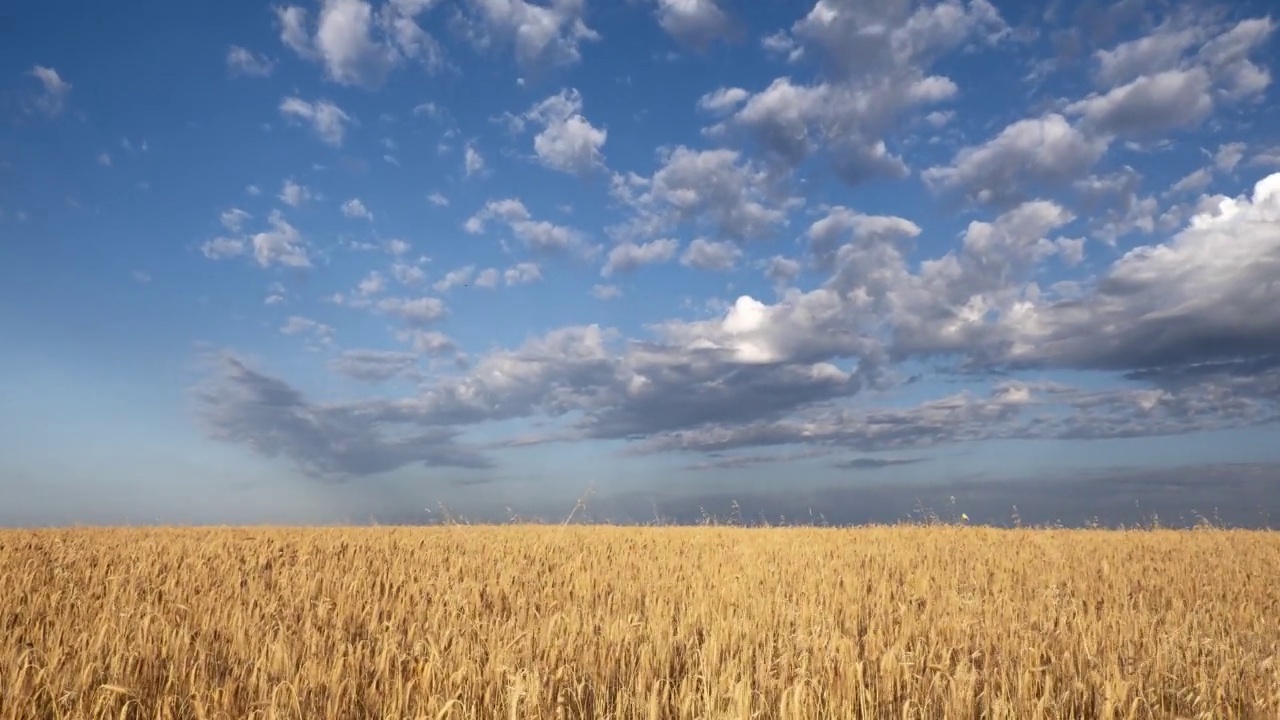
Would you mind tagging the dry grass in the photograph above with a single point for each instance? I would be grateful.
(567, 622)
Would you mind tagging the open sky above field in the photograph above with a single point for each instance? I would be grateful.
(339, 259)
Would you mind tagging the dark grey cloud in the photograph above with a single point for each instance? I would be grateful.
(1013, 410)
(374, 366)
(1207, 294)
(872, 463)
(239, 404)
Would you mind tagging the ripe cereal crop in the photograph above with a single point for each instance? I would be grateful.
(656, 622)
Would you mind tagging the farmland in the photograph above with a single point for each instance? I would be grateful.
(612, 622)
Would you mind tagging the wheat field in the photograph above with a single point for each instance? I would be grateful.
(612, 622)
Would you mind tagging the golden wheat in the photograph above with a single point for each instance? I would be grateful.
(602, 622)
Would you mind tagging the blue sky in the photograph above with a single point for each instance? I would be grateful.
(339, 259)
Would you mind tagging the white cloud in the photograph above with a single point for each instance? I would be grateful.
(1044, 150)
(354, 209)
(54, 98)
(939, 118)
(1158, 52)
(723, 99)
(327, 120)
(1205, 295)
(372, 284)
(438, 200)
(431, 343)
(1194, 181)
(693, 22)
(1149, 105)
(472, 161)
(705, 254)
(606, 292)
(293, 194)
(629, 256)
(454, 278)
(358, 46)
(1267, 158)
(104, 159)
(782, 271)
(567, 142)
(242, 62)
(488, 278)
(539, 235)
(281, 245)
(233, 218)
(222, 248)
(317, 332)
(1229, 156)
(415, 312)
(542, 35)
(407, 274)
(868, 85)
(713, 190)
(522, 274)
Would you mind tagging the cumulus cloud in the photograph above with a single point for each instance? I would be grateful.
(318, 332)
(541, 35)
(606, 292)
(454, 278)
(522, 274)
(705, 254)
(782, 270)
(415, 312)
(355, 209)
(1229, 156)
(357, 45)
(1149, 105)
(1182, 318)
(1202, 296)
(866, 85)
(723, 99)
(233, 218)
(280, 244)
(629, 256)
(293, 194)
(327, 121)
(717, 191)
(1193, 181)
(696, 23)
(538, 235)
(1046, 151)
(243, 62)
(53, 99)
(567, 141)
(472, 161)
